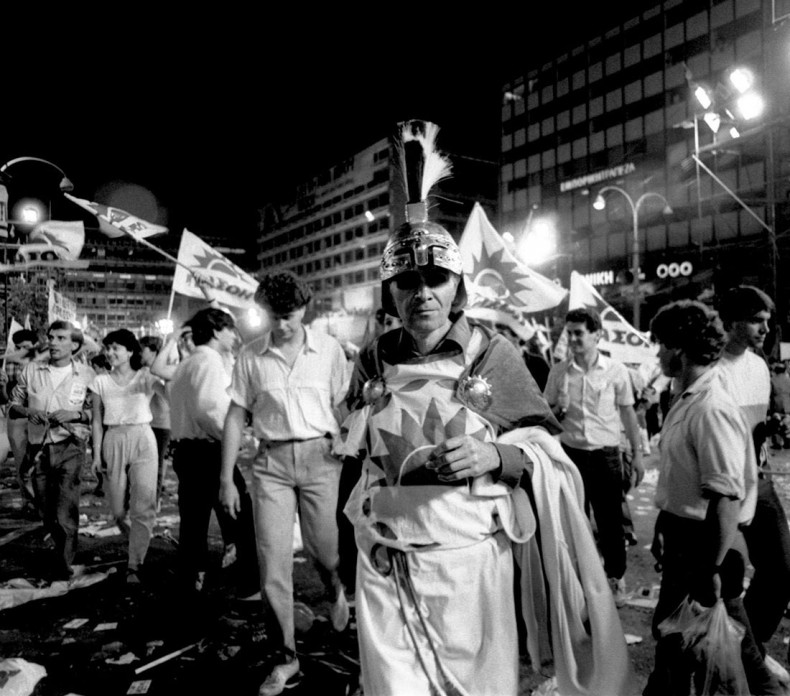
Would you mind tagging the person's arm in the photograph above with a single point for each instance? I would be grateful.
(97, 431)
(164, 365)
(231, 442)
(3, 387)
(19, 401)
(721, 525)
(628, 417)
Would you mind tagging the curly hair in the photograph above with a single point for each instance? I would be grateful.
(741, 303)
(125, 338)
(283, 292)
(693, 328)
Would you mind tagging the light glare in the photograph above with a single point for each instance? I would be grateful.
(742, 79)
(702, 97)
(751, 105)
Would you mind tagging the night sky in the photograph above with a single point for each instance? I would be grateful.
(215, 114)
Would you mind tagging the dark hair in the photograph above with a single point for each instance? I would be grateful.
(125, 338)
(283, 292)
(24, 335)
(205, 322)
(63, 325)
(741, 303)
(153, 343)
(101, 361)
(584, 315)
(693, 328)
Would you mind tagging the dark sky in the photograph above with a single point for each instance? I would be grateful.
(215, 114)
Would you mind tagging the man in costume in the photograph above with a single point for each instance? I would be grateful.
(438, 502)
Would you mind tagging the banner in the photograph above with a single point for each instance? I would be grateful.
(223, 279)
(115, 222)
(61, 307)
(66, 238)
(618, 338)
(495, 278)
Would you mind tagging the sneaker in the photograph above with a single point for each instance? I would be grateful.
(618, 591)
(339, 612)
(133, 576)
(282, 677)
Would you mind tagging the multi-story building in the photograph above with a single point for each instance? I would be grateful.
(620, 110)
(334, 228)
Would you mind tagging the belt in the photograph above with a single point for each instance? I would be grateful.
(274, 443)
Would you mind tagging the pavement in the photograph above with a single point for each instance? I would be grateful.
(110, 638)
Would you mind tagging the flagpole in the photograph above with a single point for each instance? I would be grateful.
(172, 297)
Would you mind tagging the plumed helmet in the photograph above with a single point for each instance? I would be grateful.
(419, 243)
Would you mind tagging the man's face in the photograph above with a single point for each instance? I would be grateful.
(580, 339)
(670, 361)
(424, 298)
(751, 332)
(61, 347)
(147, 355)
(227, 339)
(286, 325)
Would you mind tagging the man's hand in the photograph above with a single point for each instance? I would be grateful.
(638, 469)
(229, 498)
(37, 417)
(463, 457)
(62, 416)
(96, 466)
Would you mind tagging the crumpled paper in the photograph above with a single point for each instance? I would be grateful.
(19, 677)
(20, 590)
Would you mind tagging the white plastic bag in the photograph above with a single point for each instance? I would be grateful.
(19, 677)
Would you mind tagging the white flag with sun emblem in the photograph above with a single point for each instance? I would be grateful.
(495, 278)
(223, 279)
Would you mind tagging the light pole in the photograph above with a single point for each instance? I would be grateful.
(600, 204)
(65, 185)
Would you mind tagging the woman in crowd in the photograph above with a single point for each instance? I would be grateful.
(122, 405)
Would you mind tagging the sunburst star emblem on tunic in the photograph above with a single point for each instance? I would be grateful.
(373, 390)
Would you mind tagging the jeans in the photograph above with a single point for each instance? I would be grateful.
(198, 464)
(684, 573)
(602, 474)
(56, 482)
(768, 543)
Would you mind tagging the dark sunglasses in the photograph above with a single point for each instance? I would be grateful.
(432, 278)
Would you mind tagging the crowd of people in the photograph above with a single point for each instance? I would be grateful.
(471, 507)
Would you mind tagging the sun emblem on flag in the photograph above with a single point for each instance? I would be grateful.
(215, 262)
(497, 276)
(409, 450)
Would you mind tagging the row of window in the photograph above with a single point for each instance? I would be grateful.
(338, 281)
(322, 223)
(371, 251)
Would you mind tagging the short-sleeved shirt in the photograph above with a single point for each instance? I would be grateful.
(291, 403)
(128, 404)
(592, 399)
(749, 382)
(36, 389)
(706, 447)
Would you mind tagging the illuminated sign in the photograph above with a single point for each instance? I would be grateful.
(600, 278)
(674, 270)
(597, 177)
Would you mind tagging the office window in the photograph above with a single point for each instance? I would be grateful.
(614, 63)
(549, 159)
(580, 113)
(614, 136)
(654, 84)
(533, 163)
(564, 153)
(579, 148)
(508, 203)
(721, 14)
(596, 142)
(614, 100)
(521, 199)
(744, 7)
(520, 138)
(578, 81)
(562, 87)
(632, 55)
(547, 94)
(633, 129)
(596, 72)
(673, 36)
(652, 46)
(697, 25)
(723, 57)
(747, 45)
(699, 65)
(533, 132)
(563, 120)
(654, 122)
(521, 168)
(507, 143)
(675, 76)
(633, 92)
(533, 101)
(596, 107)
(507, 172)
(547, 126)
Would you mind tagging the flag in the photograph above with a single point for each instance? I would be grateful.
(27, 321)
(13, 327)
(618, 338)
(67, 237)
(224, 280)
(115, 222)
(495, 278)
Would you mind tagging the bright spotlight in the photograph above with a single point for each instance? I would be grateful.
(713, 120)
(254, 318)
(734, 132)
(742, 79)
(599, 203)
(164, 326)
(370, 217)
(751, 105)
(539, 244)
(702, 97)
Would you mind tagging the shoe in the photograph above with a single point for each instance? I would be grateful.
(282, 677)
(133, 576)
(618, 591)
(339, 612)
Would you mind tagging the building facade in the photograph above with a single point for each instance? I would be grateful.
(332, 232)
(620, 110)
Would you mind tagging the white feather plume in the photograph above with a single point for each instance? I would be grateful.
(436, 166)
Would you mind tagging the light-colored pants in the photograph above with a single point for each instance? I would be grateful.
(132, 461)
(17, 439)
(280, 471)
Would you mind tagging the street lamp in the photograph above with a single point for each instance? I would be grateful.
(600, 203)
(65, 183)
